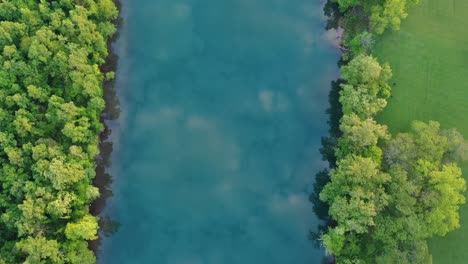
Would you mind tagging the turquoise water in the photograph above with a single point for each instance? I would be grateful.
(215, 151)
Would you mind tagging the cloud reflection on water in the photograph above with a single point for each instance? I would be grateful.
(218, 147)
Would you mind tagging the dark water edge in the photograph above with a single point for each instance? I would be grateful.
(329, 142)
(322, 177)
(111, 113)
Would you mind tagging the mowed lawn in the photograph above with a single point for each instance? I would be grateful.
(429, 58)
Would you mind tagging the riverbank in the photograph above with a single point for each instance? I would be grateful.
(51, 99)
(111, 112)
(363, 213)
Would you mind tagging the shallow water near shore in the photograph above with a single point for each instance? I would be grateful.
(217, 144)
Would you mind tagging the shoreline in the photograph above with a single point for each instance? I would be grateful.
(111, 112)
(329, 142)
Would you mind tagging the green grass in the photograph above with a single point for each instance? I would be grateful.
(429, 58)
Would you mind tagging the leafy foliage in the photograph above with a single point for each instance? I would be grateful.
(382, 14)
(50, 105)
(387, 196)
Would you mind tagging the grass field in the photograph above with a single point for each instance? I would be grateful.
(429, 58)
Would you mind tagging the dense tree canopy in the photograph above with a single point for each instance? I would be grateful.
(378, 15)
(366, 88)
(387, 195)
(50, 103)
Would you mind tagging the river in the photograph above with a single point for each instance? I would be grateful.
(216, 147)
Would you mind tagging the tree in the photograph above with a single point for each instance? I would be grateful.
(384, 213)
(357, 100)
(85, 228)
(426, 142)
(443, 197)
(356, 193)
(51, 100)
(382, 14)
(366, 70)
(362, 43)
(77, 252)
(359, 136)
(346, 4)
(366, 88)
(457, 146)
(39, 250)
(389, 14)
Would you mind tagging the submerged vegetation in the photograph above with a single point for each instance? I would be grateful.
(387, 195)
(51, 99)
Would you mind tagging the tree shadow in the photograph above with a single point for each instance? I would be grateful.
(332, 11)
(322, 177)
(103, 180)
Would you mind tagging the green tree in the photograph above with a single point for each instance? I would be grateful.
(356, 193)
(51, 99)
(366, 70)
(442, 197)
(360, 136)
(362, 43)
(346, 4)
(40, 250)
(85, 228)
(389, 14)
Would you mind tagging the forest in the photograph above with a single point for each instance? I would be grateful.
(51, 99)
(387, 194)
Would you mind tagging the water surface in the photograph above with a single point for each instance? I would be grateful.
(215, 151)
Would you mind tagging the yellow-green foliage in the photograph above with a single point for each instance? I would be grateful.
(382, 14)
(388, 196)
(51, 98)
(428, 58)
